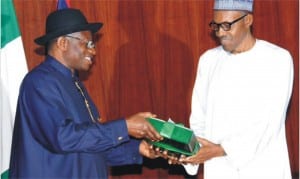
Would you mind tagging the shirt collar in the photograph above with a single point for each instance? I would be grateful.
(60, 67)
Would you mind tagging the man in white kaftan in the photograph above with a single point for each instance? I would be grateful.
(239, 103)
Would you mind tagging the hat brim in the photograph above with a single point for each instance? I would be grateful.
(43, 40)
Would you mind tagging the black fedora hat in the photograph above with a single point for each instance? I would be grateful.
(66, 21)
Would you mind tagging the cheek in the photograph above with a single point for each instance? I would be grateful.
(76, 53)
(238, 38)
(239, 33)
(232, 38)
(74, 57)
(77, 50)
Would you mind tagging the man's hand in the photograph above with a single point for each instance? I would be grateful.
(139, 127)
(147, 150)
(172, 158)
(207, 151)
(150, 151)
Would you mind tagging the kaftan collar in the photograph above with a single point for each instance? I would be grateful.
(60, 67)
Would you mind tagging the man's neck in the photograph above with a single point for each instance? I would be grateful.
(247, 44)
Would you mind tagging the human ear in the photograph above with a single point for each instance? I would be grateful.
(249, 20)
(62, 43)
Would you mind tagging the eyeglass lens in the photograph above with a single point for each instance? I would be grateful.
(226, 26)
(89, 44)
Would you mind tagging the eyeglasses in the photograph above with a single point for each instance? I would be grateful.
(226, 26)
(89, 44)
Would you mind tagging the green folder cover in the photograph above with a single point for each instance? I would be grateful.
(177, 138)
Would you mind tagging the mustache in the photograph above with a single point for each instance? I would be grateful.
(225, 37)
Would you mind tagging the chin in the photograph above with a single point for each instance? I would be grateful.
(87, 69)
(227, 49)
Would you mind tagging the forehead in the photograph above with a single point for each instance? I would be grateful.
(223, 16)
(87, 34)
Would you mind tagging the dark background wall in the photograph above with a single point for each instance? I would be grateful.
(147, 55)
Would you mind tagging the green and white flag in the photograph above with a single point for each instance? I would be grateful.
(13, 68)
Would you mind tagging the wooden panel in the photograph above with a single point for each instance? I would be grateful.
(147, 54)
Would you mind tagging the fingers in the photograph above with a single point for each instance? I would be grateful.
(145, 130)
(146, 114)
(139, 127)
(151, 133)
(146, 151)
(203, 141)
(195, 159)
(171, 157)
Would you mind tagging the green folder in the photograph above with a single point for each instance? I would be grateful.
(177, 140)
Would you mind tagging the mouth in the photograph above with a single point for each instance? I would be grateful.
(222, 39)
(88, 59)
(225, 42)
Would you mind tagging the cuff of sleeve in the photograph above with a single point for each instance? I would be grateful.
(134, 146)
(119, 131)
(125, 154)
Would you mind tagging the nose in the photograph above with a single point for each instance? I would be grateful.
(92, 51)
(220, 32)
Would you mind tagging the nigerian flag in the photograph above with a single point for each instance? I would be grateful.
(13, 68)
